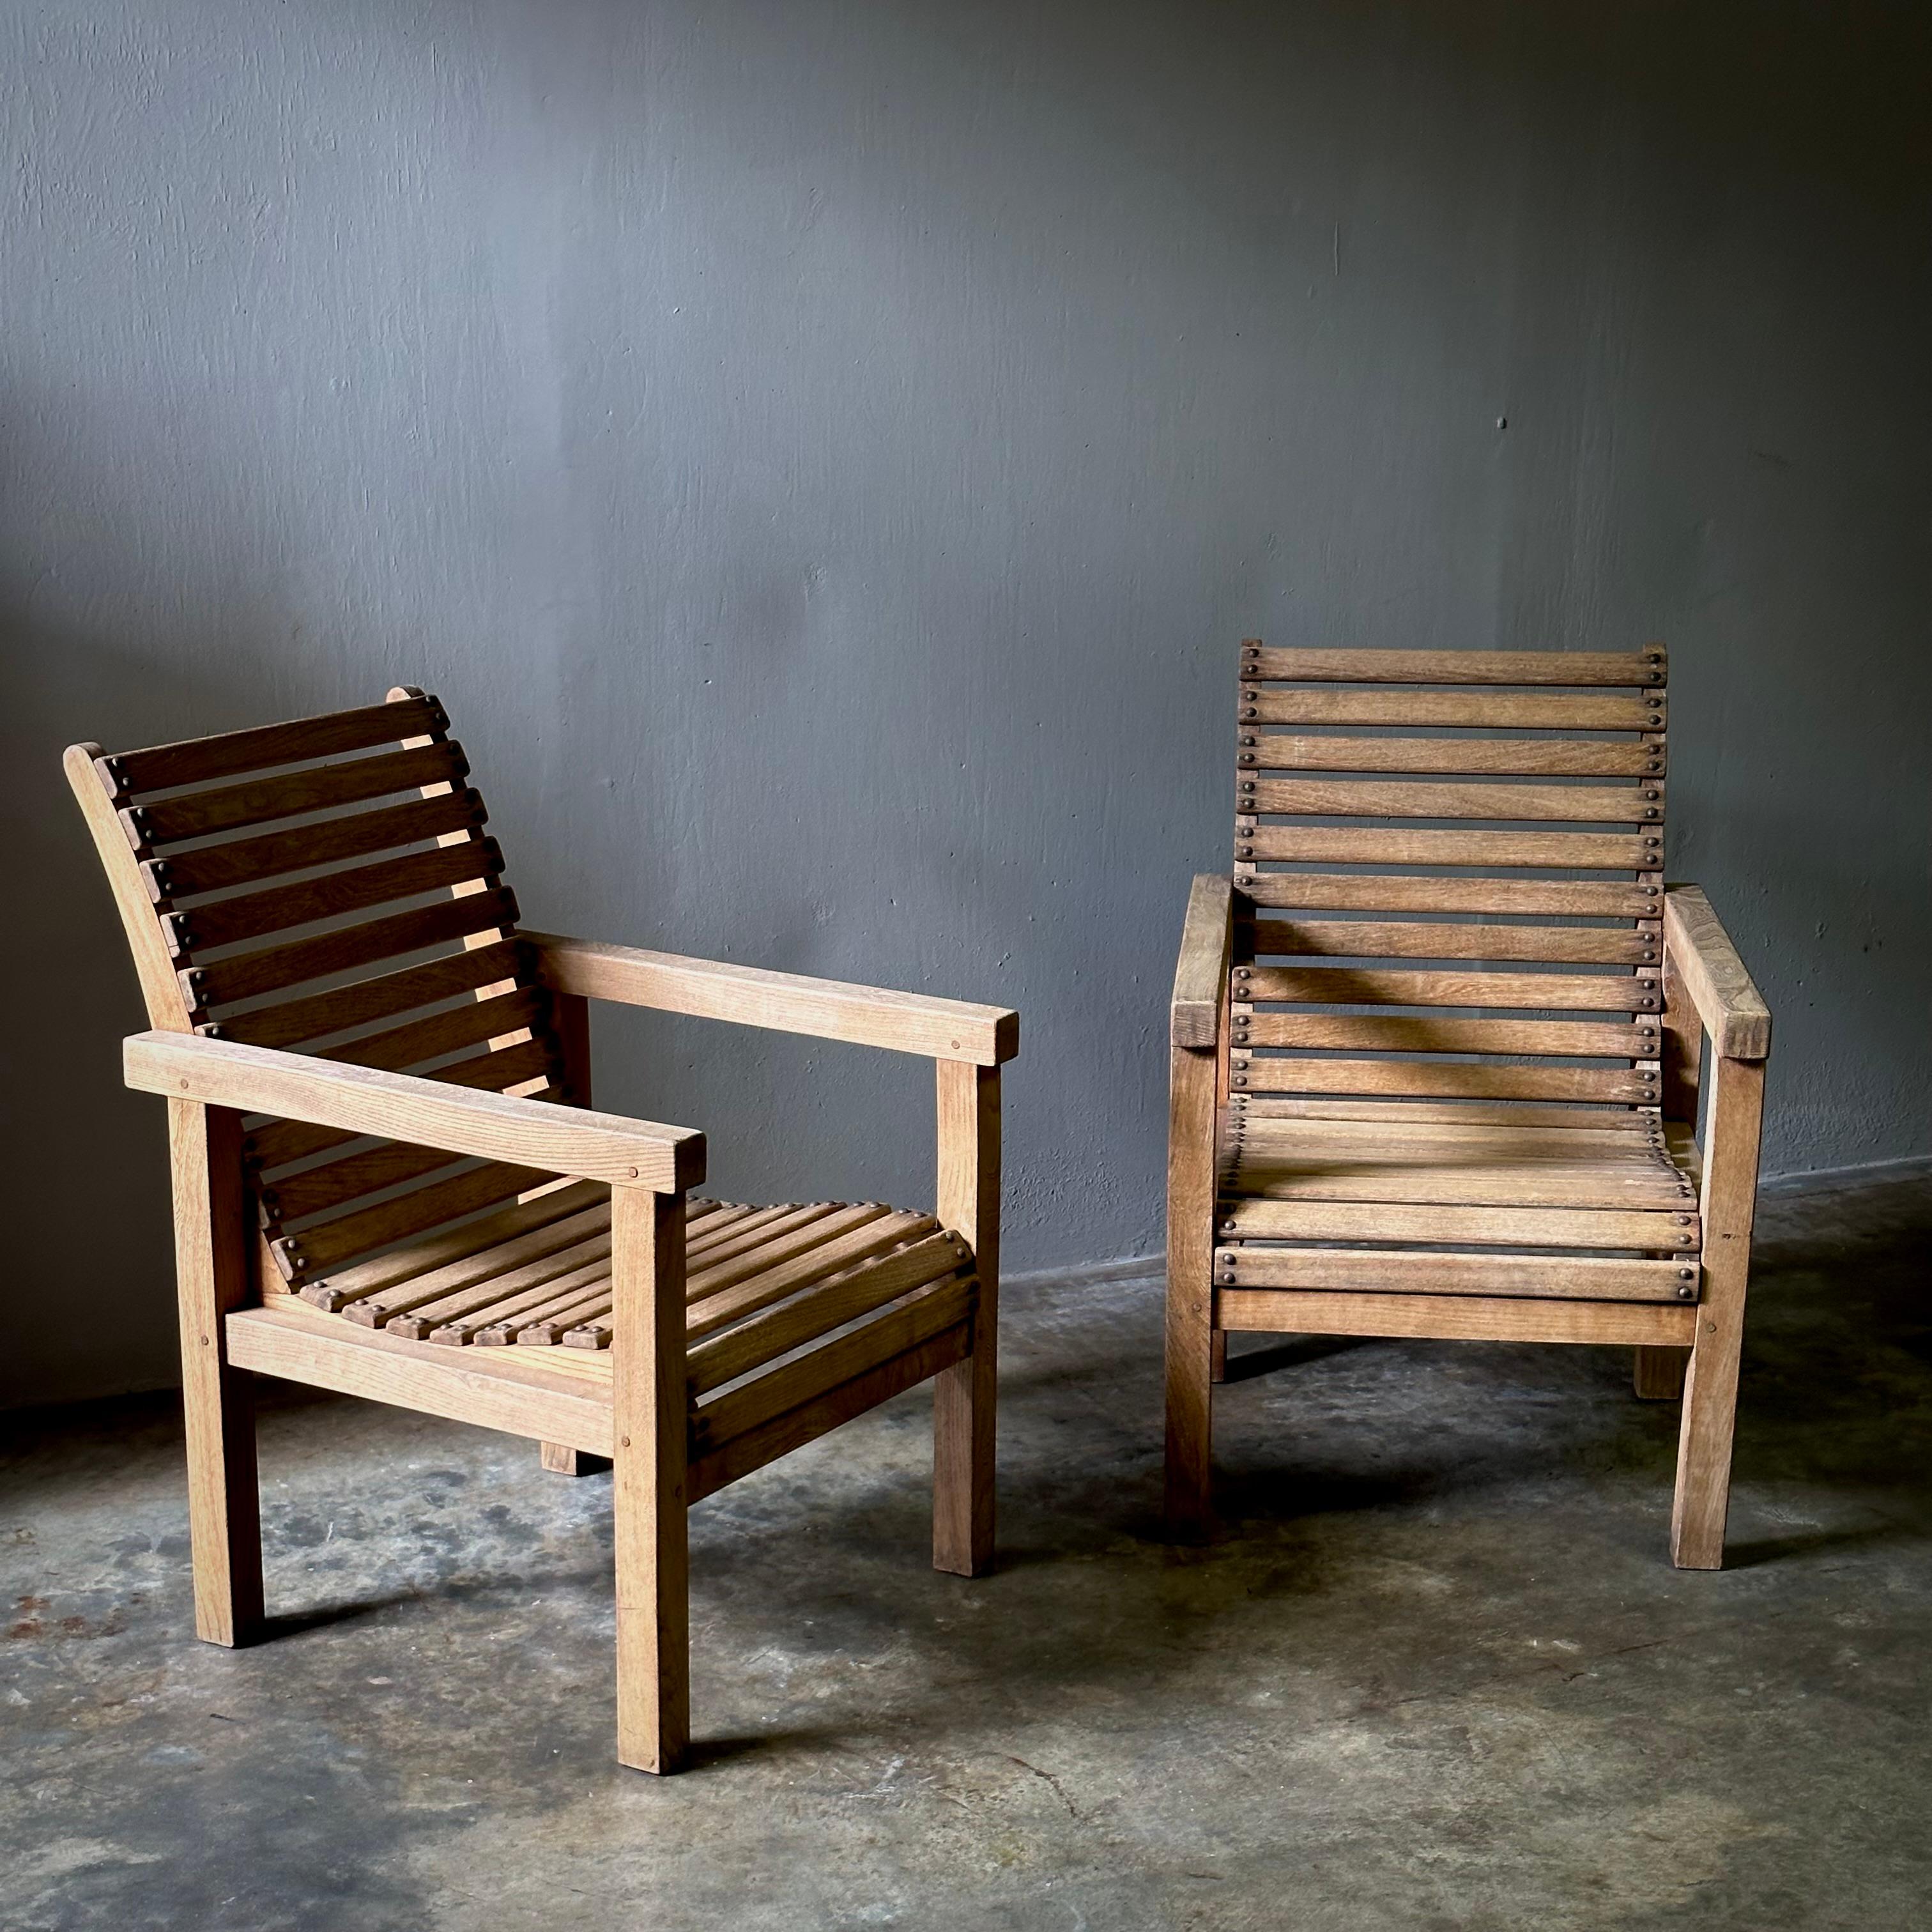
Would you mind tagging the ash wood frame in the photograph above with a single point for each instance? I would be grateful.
(1708, 999)
(637, 1418)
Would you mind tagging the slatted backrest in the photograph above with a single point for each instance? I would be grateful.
(1457, 857)
(326, 886)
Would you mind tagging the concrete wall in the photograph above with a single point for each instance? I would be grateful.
(824, 456)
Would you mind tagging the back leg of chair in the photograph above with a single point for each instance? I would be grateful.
(211, 1274)
(1658, 1375)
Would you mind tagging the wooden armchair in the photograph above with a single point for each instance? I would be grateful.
(364, 1057)
(1463, 1100)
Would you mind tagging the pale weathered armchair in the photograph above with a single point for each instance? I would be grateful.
(377, 1191)
(1465, 1103)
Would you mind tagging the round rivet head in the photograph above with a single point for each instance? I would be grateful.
(1248, 714)
(1687, 1274)
(1240, 1080)
(1687, 1294)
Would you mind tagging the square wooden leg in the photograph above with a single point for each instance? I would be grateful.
(1711, 1385)
(560, 1460)
(212, 1277)
(1191, 1353)
(965, 1397)
(1657, 1374)
(649, 1428)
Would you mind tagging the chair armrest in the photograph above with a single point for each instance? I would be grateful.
(1732, 1011)
(1201, 970)
(405, 1107)
(718, 989)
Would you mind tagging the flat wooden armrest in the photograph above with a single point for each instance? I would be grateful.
(1732, 1011)
(1201, 971)
(718, 989)
(404, 1107)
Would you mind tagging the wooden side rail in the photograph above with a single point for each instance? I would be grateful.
(637, 1154)
(719, 989)
(1705, 964)
(1201, 973)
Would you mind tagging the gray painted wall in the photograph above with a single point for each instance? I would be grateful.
(824, 456)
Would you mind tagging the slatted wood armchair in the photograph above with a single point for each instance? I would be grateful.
(1437, 1047)
(389, 1180)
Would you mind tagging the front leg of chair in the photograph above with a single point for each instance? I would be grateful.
(1192, 1357)
(965, 1396)
(1711, 1385)
(649, 1435)
(211, 1275)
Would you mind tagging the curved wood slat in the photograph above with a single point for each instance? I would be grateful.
(196, 814)
(355, 834)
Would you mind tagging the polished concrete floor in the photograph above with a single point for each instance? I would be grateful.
(1435, 1672)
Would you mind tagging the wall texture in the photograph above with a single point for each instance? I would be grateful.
(824, 456)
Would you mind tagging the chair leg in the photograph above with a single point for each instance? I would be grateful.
(1730, 1199)
(1217, 1357)
(965, 1397)
(1191, 1336)
(1658, 1375)
(211, 1275)
(648, 1429)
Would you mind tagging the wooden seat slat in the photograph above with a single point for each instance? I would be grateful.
(1460, 1225)
(1554, 1275)
(763, 1338)
(1259, 1174)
